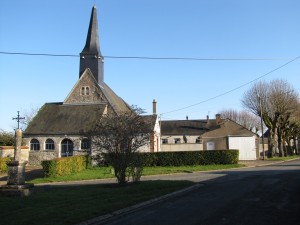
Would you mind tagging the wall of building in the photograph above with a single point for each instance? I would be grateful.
(37, 156)
(181, 147)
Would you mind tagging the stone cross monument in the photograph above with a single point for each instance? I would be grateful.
(16, 170)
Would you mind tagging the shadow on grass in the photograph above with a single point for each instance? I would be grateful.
(86, 202)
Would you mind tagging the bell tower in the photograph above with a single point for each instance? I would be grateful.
(91, 57)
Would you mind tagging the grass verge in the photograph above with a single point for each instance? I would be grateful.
(71, 205)
(284, 158)
(105, 172)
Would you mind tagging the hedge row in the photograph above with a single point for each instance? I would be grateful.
(191, 158)
(65, 166)
(3, 166)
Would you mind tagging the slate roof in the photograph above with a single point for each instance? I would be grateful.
(184, 127)
(116, 102)
(59, 118)
(206, 128)
(229, 128)
(151, 120)
(92, 39)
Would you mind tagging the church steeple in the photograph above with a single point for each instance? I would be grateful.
(91, 57)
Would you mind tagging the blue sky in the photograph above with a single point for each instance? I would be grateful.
(216, 29)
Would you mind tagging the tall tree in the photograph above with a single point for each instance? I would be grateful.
(118, 137)
(6, 138)
(244, 118)
(273, 101)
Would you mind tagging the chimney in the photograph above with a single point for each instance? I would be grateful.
(154, 106)
(218, 118)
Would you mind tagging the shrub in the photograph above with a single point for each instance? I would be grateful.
(65, 166)
(191, 158)
(3, 166)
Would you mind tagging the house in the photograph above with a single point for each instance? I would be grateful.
(59, 129)
(209, 134)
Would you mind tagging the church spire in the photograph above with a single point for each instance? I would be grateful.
(91, 57)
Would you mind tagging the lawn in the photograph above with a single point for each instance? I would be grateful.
(74, 204)
(71, 205)
(106, 172)
(284, 158)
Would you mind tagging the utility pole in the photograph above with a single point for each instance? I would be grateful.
(262, 127)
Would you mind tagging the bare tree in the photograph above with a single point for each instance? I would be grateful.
(274, 101)
(118, 137)
(244, 118)
(29, 115)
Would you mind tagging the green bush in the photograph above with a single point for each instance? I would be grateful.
(65, 166)
(191, 158)
(3, 166)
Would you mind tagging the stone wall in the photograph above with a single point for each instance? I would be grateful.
(36, 157)
(8, 151)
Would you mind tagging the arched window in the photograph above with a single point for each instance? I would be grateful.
(34, 145)
(85, 143)
(49, 144)
(87, 90)
(66, 148)
(82, 91)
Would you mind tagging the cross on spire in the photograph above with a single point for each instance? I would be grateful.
(18, 118)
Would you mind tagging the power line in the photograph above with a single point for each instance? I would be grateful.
(234, 89)
(141, 57)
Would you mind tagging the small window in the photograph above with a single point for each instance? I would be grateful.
(85, 143)
(177, 140)
(34, 145)
(83, 91)
(165, 141)
(87, 91)
(49, 144)
(199, 140)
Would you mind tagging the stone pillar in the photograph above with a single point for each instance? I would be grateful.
(16, 172)
(17, 152)
(16, 168)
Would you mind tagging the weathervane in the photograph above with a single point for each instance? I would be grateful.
(18, 118)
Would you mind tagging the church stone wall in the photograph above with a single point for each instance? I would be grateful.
(36, 157)
(85, 91)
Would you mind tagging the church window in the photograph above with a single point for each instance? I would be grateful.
(34, 145)
(66, 148)
(87, 90)
(49, 144)
(82, 90)
(85, 143)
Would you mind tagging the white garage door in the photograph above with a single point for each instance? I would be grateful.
(246, 145)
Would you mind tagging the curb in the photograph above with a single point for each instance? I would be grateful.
(130, 209)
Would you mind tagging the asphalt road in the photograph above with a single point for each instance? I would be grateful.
(262, 195)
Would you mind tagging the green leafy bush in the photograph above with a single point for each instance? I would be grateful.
(65, 166)
(191, 158)
(3, 166)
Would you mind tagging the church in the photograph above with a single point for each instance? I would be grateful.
(58, 129)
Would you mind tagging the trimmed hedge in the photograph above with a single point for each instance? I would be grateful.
(3, 166)
(191, 158)
(65, 166)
